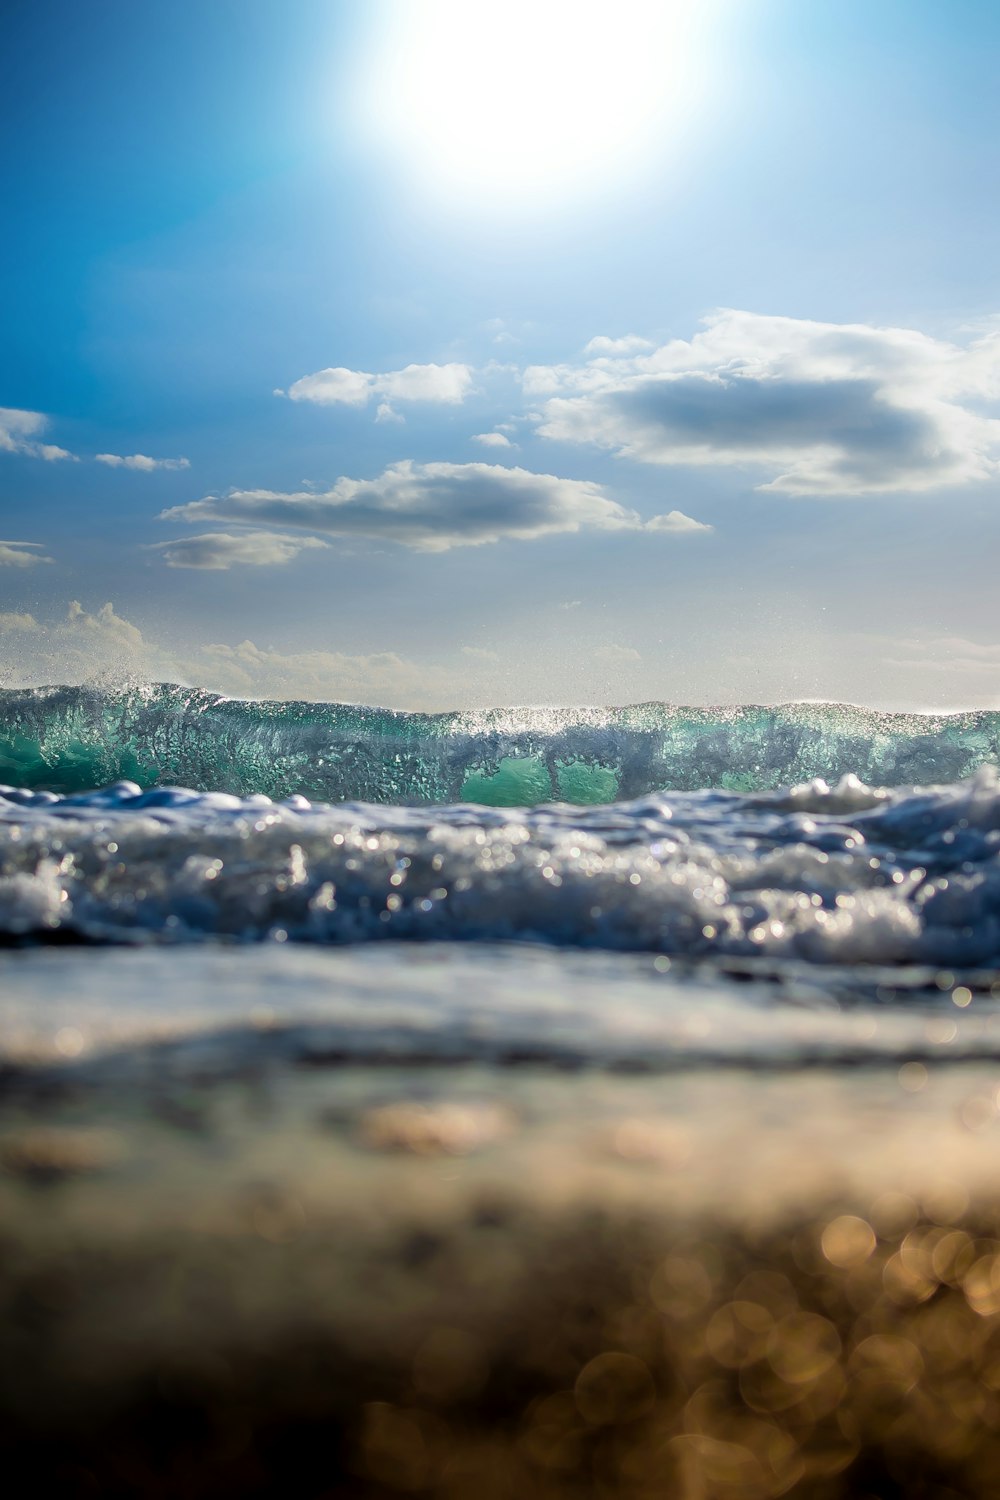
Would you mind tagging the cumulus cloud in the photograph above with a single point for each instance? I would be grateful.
(632, 343)
(677, 522)
(102, 646)
(140, 461)
(20, 432)
(448, 383)
(218, 550)
(21, 555)
(81, 647)
(337, 386)
(492, 439)
(379, 677)
(431, 507)
(104, 625)
(821, 408)
(619, 656)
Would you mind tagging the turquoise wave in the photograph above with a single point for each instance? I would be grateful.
(71, 739)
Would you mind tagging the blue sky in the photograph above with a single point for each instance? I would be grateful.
(440, 357)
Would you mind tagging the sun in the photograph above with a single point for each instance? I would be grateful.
(530, 99)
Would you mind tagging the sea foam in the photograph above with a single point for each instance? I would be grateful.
(841, 875)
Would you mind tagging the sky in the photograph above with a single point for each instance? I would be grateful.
(447, 354)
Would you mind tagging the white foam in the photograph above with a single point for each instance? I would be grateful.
(843, 876)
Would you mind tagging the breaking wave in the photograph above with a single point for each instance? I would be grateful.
(69, 740)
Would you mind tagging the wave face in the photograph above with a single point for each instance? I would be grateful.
(840, 876)
(73, 739)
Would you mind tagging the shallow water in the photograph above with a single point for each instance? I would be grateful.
(210, 1011)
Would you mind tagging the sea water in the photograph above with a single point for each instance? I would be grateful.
(673, 886)
(76, 739)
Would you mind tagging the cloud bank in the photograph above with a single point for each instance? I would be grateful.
(822, 408)
(434, 507)
(379, 677)
(103, 646)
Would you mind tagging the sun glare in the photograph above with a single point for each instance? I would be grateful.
(530, 99)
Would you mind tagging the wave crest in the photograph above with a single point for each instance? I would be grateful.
(69, 739)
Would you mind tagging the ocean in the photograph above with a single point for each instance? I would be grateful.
(787, 840)
(452, 1055)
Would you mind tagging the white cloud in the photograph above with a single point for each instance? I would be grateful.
(822, 408)
(492, 440)
(218, 550)
(448, 384)
(141, 462)
(948, 654)
(380, 677)
(480, 653)
(632, 343)
(430, 507)
(546, 380)
(81, 647)
(102, 646)
(499, 331)
(21, 555)
(388, 413)
(334, 387)
(620, 656)
(105, 625)
(20, 431)
(676, 521)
